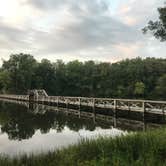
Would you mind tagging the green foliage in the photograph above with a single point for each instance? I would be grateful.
(4, 81)
(158, 28)
(20, 68)
(135, 78)
(44, 76)
(135, 149)
(139, 88)
(161, 87)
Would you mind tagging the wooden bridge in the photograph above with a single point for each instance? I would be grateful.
(114, 121)
(143, 106)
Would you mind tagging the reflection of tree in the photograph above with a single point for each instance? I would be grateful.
(20, 123)
(17, 130)
(79, 124)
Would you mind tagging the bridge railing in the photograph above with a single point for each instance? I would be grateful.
(123, 104)
(16, 97)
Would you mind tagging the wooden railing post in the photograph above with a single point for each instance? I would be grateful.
(143, 109)
(143, 106)
(115, 119)
(42, 100)
(94, 113)
(115, 104)
(57, 101)
(79, 103)
(163, 111)
(67, 103)
(93, 104)
(129, 105)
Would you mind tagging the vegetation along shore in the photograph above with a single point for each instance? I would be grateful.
(144, 148)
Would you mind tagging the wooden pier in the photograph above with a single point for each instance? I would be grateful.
(106, 120)
(142, 106)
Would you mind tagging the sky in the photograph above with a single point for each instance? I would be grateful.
(99, 30)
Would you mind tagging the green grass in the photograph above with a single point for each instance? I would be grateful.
(145, 149)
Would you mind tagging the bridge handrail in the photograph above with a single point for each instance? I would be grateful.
(87, 98)
(117, 99)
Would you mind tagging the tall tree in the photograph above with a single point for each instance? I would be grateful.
(21, 70)
(5, 81)
(74, 77)
(61, 79)
(125, 79)
(45, 76)
(161, 87)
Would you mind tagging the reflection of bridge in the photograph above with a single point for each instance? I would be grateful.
(143, 106)
(114, 120)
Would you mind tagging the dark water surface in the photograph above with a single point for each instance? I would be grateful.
(33, 128)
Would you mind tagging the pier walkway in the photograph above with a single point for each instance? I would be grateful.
(143, 106)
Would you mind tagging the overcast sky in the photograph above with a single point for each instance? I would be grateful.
(100, 30)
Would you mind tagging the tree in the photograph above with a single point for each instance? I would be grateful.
(20, 68)
(44, 77)
(124, 79)
(89, 79)
(161, 87)
(121, 91)
(139, 89)
(4, 81)
(74, 75)
(158, 28)
(60, 80)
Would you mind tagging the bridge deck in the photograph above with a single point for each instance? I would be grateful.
(156, 107)
(114, 120)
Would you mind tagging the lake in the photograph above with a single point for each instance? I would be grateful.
(33, 128)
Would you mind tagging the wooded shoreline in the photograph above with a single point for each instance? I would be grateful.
(131, 78)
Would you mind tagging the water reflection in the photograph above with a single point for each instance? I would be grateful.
(30, 128)
(21, 123)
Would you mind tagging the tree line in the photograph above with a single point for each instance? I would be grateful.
(135, 78)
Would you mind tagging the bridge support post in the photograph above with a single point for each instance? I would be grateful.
(115, 119)
(163, 112)
(129, 106)
(143, 110)
(93, 104)
(57, 102)
(79, 104)
(144, 113)
(115, 105)
(114, 116)
(67, 103)
(79, 107)
(94, 112)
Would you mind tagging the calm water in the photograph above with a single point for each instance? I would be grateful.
(36, 128)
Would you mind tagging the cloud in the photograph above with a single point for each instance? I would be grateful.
(135, 12)
(86, 5)
(86, 33)
(75, 29)
(88, 25)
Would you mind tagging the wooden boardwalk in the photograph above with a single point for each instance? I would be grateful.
(114, 121)
(143, 106)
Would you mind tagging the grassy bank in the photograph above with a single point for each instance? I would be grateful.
(136, 149)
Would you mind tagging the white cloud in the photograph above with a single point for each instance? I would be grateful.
(75, 29)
